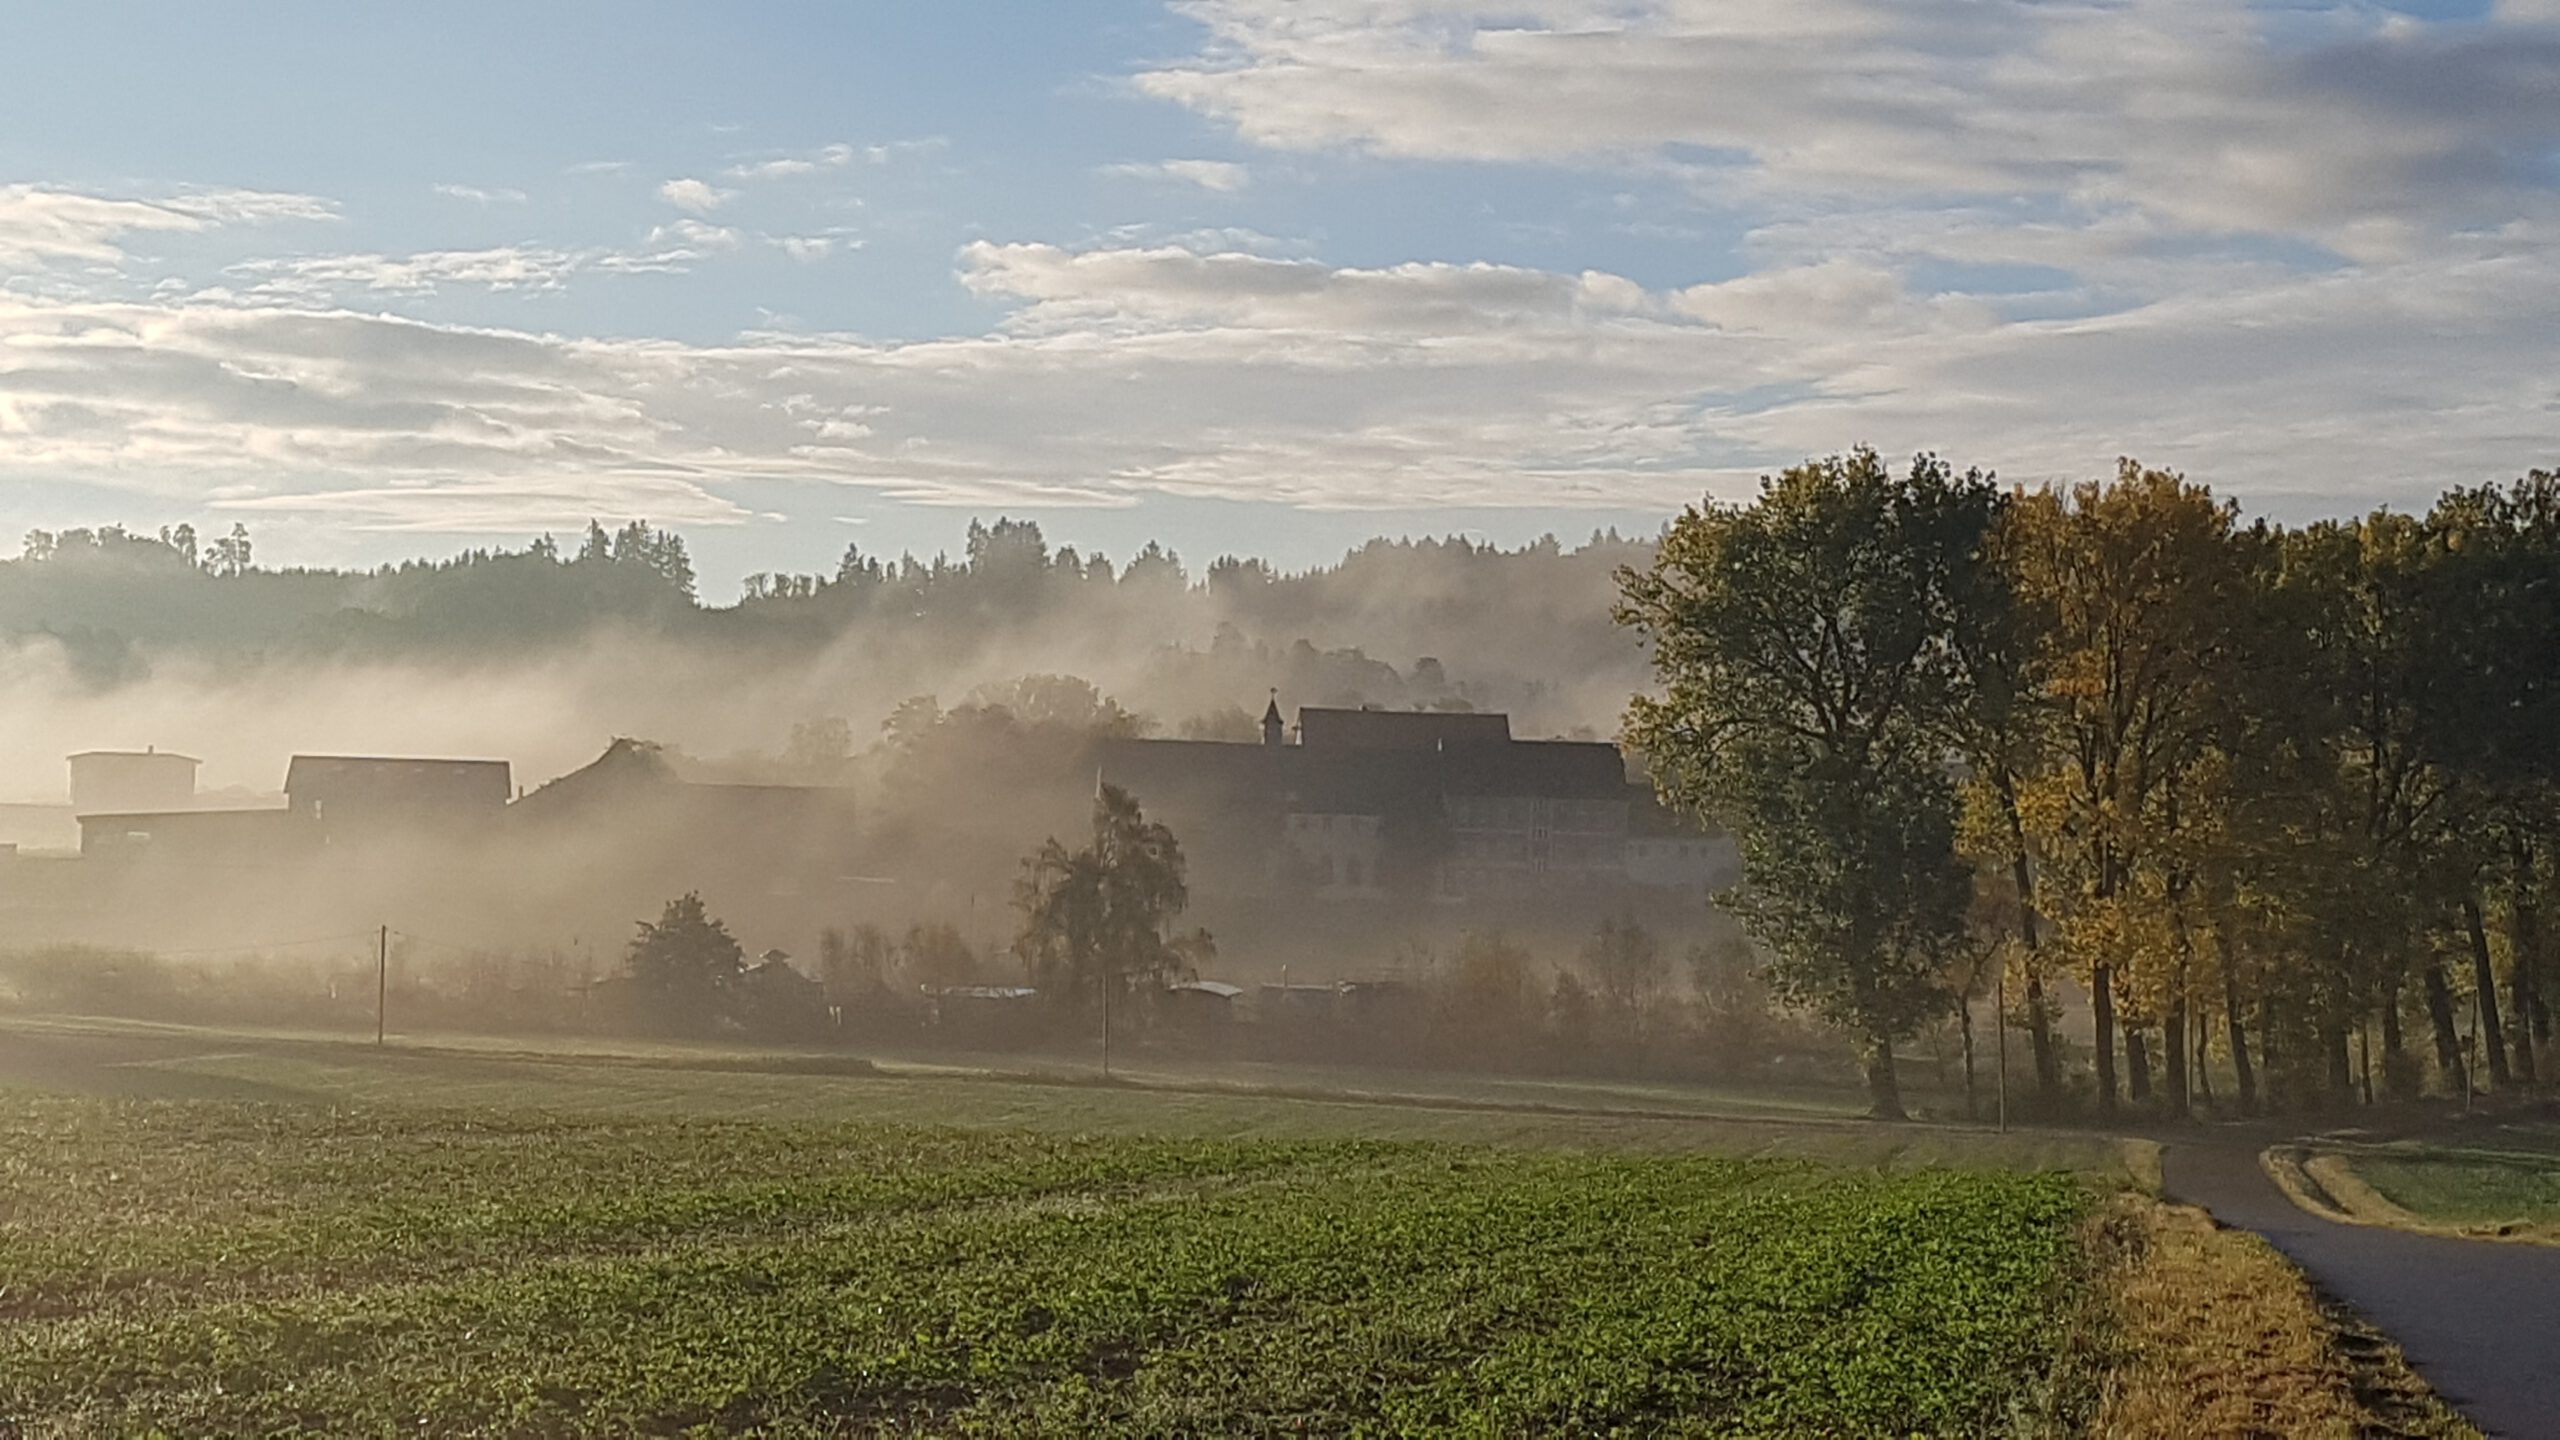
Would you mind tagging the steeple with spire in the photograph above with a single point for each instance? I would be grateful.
(1274, 730)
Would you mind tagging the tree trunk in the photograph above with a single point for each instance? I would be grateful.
(2039, 1025)
(2342, 1070)
(2231, 1015)
(1964, 1014)
(2137, 1063)
(2203, 1071)
(1884, 1087)
(2173, 1049)
(2102, 1006)
(2173, 1022)
(2280, 1090)
(2040, 1041)
(2484, 993)
(2399, 1077)
(2448, 1035)
(2524, 932)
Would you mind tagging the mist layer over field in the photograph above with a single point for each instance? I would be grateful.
(542, 655)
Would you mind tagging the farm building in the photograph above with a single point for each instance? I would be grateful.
(1374, 804)
(131, 781)
(363, 796)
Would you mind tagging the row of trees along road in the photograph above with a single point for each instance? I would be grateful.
(2276, 793)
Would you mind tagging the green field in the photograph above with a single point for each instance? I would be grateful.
(1231, 1102)
(210, 1267)
(209, 1231)
(2507, 1183)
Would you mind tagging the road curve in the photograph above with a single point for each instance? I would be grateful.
(2478, 1319)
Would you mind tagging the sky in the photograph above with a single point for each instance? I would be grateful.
(1250, 276)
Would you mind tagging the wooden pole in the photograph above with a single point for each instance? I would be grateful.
(381, 981)
(1106, 1019)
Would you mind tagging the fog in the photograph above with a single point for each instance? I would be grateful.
(542, 660)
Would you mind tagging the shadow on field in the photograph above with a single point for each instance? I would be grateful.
(126, 1067)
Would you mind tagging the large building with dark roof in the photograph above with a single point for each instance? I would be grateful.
(1419, 804)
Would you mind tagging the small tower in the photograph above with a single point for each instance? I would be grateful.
(1274, 730)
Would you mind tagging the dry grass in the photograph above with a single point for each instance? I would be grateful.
(2208, 1332)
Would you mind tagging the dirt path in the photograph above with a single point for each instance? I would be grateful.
(2479, 1319)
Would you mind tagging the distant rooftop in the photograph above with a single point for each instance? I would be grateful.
(1335, 729)
(489, 781)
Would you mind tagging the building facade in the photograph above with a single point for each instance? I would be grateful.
(1426, 805)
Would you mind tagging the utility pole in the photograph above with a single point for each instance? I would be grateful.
(1106, 1018)
(381, 981)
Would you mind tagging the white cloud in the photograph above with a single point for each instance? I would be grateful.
(807, 249)
(500, 507)
(673, 248)
(698, 196)
(1174, 287)
(2346, 124)
(779, 167)
(41, 226)
(692, 239)
(1126, 373)
(477, 196)
(1223, 176)
(841, 155)
(514, 267)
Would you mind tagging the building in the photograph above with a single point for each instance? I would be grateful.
(634, 805)
(131, 781)
(1667, 853)
(355, 797)
(1377, 804)
(224, 839)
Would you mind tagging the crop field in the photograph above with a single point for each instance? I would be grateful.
(159, 1061)
(198, 1267)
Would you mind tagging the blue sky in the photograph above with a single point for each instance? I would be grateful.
(1263, 276)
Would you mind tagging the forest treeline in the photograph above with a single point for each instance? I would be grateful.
(2285, 801)
(1404, 623)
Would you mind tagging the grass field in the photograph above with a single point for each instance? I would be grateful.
(2505, 1183)
(207, 1231)
(1268, 1103)
(202, 1267)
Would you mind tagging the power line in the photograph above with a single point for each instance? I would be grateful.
(256, 947)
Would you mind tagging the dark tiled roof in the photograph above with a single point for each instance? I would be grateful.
(1326, 729)
(1358, 780)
